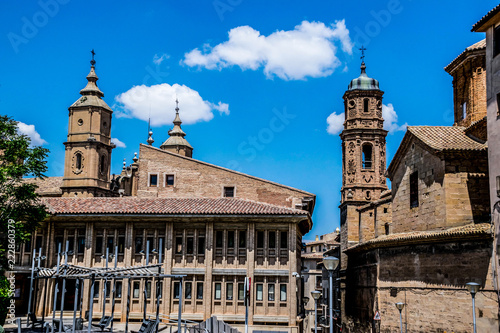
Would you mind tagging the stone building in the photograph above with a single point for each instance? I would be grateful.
(422, 241)
(215, 225)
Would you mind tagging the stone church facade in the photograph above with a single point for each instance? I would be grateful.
(215, 225)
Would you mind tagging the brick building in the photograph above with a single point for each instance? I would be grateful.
(216, 226)
(420, 242)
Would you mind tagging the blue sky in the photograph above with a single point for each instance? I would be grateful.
(256, 80)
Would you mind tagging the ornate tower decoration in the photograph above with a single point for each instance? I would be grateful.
(176, 143)
(88, 149)
(363, 141)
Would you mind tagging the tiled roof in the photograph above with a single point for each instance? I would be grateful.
(446, 138)
(486, 18)
(322, 241)
(481, 45)
(165, 206)
(50, 186)
(467, 232)
(315, 255)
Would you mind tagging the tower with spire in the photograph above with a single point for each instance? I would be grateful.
(176, 142)
(88, 146)
(363, 152)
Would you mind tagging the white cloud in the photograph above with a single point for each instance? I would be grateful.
(159, 59)
(306, 51)
(30, 131)
(391, 119)
(158, 101)
(118, 143)
(335, 123)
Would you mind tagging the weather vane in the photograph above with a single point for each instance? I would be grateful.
(363, 49)
(92, 62)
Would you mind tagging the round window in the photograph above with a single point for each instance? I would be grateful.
(80, 122)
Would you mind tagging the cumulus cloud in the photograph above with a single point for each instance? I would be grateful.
(308, 50)
(391, 119)
(118, 143)
(335, 123)
(158, 59)
(158, 101)
(29, 130)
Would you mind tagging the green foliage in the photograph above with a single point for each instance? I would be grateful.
(18, 200)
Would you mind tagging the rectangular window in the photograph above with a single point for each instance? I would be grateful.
(97, 291)
(169, 180)
(259, 292)
(159, 291)
(283, 292)
(111, 245)
(284, 239)
(242, 239)
(118, 289)
(150, 243)
(98, 245)
(39, 242)
(176, 290)
(218, 238)
(80, 247)
(71, 243)
(27, 246)
(178, 245)
(138, 244)
(241, 291)
(218, 291)
(190, 245)
(230, 239)
(270, 292)
(229, 191)
(201, 245)
(136, 289)
(229, 291)
(108, 289)
(121, 244)
(464, 110)
(199, 290)
(272, 239)
(188, 291)
(496, 41)
(148, 289)
(260, 239)
(153, 180)
(414, 189)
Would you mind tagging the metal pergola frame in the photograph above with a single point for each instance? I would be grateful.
(80, 274)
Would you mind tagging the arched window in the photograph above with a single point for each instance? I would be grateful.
(365, 104)
(78, 158)
(367, 156)
(103, 164)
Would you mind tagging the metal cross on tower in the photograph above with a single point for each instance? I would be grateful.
(92, 62)
(363, 49)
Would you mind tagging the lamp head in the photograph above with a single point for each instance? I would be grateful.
(330, 263)
(473, 287)
(316, 294)
(400, 306)
(141, 252)
(154, 251)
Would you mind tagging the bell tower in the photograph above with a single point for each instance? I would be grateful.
(363, 153)
(88, 146)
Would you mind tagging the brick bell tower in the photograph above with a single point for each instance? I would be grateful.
(88, 149)
(363, 153)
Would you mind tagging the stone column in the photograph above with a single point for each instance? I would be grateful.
(209, 262)
(88, 260)
(168, 282)
(251, 268)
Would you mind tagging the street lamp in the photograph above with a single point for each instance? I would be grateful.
(316, 295)
(331, 264)
(400, 307)
(473, 288)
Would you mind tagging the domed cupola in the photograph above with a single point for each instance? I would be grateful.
(363, 82)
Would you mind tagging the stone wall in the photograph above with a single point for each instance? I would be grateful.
(193, 178)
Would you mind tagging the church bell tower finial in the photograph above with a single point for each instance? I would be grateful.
(92, 62)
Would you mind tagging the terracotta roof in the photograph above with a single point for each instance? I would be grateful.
(322, 241)
(50, 186)
(486, 18)
(315, 255)
(467, 232)
(165, 206)
(481, 45)
(446, 138)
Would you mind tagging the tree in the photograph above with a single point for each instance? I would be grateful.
(19, 203)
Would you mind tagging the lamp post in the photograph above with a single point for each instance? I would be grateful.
(473, 288)
(400, 307)
(316, 295)
(331, 264)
